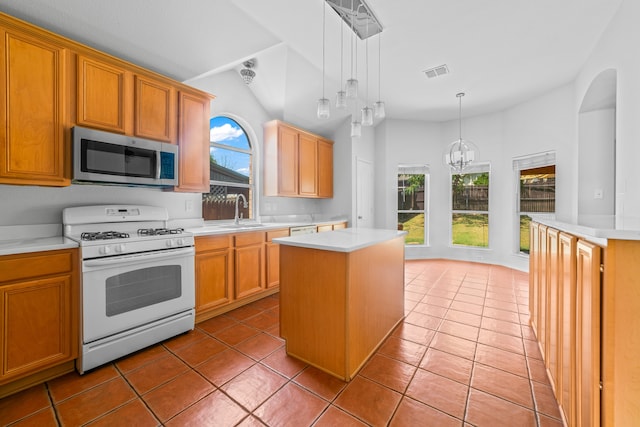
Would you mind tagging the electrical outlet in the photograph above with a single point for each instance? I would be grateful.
(188, 206)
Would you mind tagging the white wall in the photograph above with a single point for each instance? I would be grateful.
(27, 205)
(596, 171)
(618, 49)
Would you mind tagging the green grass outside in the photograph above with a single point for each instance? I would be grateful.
(524, 233)
(415, 230)
(470, 230)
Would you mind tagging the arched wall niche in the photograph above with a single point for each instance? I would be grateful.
(597, 147)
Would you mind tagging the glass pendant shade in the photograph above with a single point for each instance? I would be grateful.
(356, 129)
(460, 154)
(378, 110)
(367, 116)
(352, 88)
(341, 99)
(323, 108)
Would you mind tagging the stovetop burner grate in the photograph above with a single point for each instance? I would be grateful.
(103, 235)
(159, 231)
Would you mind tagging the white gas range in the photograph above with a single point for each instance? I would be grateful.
(138, 279)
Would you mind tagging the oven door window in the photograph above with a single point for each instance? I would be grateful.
(141, 288)
(120, 160)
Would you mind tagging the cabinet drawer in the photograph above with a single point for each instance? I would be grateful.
(251, 238)
(274, 234)
(15, 267)
(326, 227)
(212, 243)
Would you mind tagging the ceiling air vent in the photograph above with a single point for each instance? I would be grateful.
(438, 71)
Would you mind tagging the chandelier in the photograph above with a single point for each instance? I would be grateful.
(460, 153)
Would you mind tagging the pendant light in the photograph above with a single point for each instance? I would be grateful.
(460, 153)
(356, 125)
(367, 113)
(323, 103)
(378, 107)
(352, 83)
(341, 96)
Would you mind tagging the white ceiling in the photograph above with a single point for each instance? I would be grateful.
(499, 52)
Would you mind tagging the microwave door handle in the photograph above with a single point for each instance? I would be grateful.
(158, 164)
(136, 258)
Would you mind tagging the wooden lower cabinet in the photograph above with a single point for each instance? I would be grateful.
(589, 302)
(39, 298)
(235, 269)
(567, 323)
(272, 255)
(214, 272)
(587, 334)
(249, 263)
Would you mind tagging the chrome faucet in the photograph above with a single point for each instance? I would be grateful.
(236, 219)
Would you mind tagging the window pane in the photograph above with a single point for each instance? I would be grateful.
(470, 229)
(223, 130)
(220, 202)
(538, 189)
(411, 192)
(230, 166)
(470, 192)
(525, 220)
(413, 224)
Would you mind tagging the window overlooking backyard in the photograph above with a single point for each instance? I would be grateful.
(470, 208)
(537, 194)
(230, 167)
(412, 203)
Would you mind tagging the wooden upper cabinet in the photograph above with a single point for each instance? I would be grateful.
(307, 165)
(287, 162)
(325, 168)
(102, 100)
(33, 100)
(111, 98)
(193, 140)
(296, 163)
(155, 110)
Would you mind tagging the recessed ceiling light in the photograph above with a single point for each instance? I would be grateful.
(438, 71)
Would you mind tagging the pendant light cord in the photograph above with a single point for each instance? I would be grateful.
(324, 9)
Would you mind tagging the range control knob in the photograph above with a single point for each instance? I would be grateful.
(120, 248)
(104, 250)
(169, 243)
(180, 242)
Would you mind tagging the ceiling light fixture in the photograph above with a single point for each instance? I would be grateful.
(323, 103)
(247, 72)
(462, 152)
(341, 96)
(367, 113)
(378, 106)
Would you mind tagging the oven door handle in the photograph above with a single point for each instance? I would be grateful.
(137, 258)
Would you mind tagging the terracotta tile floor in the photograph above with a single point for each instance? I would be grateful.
(463, 356)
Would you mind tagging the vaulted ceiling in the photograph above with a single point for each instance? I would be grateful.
(498, 52)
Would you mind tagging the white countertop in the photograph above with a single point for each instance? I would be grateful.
(344, 240)
(37, 244)
(595, 228)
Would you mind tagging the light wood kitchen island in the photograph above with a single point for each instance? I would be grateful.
(341, 295)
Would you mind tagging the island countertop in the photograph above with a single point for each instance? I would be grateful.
(344, 240)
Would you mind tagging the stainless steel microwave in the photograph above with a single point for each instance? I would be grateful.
(110, 158)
